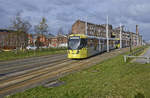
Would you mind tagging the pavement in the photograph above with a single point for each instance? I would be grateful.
(142, 60)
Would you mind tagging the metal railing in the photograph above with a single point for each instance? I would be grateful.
(133, 55)
(144, 57)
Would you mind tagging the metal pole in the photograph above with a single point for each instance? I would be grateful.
(34, 47)
(107, 35)
(120, 36)
(99, 45)
(86, 26)
(147, 59)
(137, 40)
(130, 42)
(137, 35)
(125, 59)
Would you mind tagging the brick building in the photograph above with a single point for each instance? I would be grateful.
(48, 40)
(92, 29)
(44, 40)
(10, 39)
(59, 41)
(82, 27)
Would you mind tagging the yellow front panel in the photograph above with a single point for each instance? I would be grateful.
(81, 35)
(77, 54)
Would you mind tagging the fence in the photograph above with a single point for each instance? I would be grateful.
(144, 57)
(132, 55)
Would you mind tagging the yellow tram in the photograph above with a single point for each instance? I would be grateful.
(82, 46)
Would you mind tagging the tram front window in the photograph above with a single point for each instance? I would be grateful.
(117, 42)
(73, 44)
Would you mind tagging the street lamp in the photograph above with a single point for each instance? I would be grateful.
(130, 41)
(34, 46)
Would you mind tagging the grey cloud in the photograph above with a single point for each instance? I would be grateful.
(63, 13)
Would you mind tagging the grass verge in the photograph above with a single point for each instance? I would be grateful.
(11, 55)
(110, 79)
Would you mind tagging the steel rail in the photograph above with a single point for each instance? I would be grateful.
(29, 65)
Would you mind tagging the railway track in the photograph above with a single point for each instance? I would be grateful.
(9, 72)
(28, 79)
(41, 74)
(14, 63)
(8, 68)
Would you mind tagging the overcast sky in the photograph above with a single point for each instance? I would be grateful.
(63, 13)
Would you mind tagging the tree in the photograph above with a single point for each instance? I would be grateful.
(41, 28)
(69, 31)
(60, 35)
(19, 24)
(21, 28)
(60, 31)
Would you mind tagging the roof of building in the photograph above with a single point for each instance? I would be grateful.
(100, 25)
(6, 30)
(49, 35)
(61, 35)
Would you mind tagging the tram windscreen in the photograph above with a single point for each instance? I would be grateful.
(117, 41)
(73, 43)
(76, 43)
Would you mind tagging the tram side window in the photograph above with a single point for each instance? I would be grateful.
(91, 43)
(88, 42)
(83, 43)
(102, 41)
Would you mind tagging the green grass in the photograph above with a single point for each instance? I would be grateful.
(110, 79)
(30, 53)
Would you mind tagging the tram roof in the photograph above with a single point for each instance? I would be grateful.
(87, 36)
(81, 35)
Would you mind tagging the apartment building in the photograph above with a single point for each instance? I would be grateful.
(82, 27)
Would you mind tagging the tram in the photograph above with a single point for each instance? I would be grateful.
(117, 42)
(83, 46)
(125, 43)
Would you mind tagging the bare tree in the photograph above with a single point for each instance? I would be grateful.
(21, 28)
(41, 28)
(60, 34)
(69, 31)
(60, 31)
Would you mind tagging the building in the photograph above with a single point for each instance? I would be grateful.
(91, 29)
(82, 27)
(125, 36)
(10, 39)
(59, 41)
(47, 40)
(62, 40)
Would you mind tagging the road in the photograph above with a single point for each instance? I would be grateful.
(19, 75)
(146, 54)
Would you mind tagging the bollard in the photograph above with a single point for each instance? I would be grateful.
(125, 59)
(147, 59)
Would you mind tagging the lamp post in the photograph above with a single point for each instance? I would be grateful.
(34, 46)
(130, 41)
(107, 35)
(86, 26)
(120, 36)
